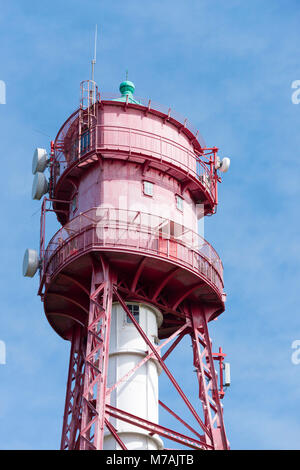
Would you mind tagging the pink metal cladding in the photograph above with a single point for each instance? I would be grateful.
(110, 254)
(107, 137)
(137, 143)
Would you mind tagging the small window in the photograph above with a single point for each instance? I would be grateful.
(85, 141)
(74, 150)
(135, 311)
(57, 169)
(179, 203)
(74, 203)
(155, 340)
(148, 188)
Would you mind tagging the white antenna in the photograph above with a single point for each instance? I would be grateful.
(95, 53)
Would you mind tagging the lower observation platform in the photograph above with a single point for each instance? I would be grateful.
(155, 260)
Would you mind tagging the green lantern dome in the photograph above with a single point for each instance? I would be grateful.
(127, 89)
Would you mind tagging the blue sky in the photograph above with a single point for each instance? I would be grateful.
(227, 66)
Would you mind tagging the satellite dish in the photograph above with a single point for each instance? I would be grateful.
(39, 186)
(39, 160)
(218, 163)
(30, 263)
(225, 164)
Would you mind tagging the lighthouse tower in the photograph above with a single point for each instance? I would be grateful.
(127, 276)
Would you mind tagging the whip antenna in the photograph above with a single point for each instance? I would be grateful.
(95, 53)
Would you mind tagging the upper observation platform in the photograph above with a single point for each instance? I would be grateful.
(136, 132)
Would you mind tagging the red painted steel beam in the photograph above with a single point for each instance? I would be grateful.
(180, 332)
(164, 282)
(157, 429)
(164, 367)
(75, 317)
(72, 412)
(185, 294)
(171, 412)
(208, 390)
(113, 431)
(145, 298)
(69, 299)
(176, 342)
(96, 361)
(216, 396)
(75, 281)
(138, 273)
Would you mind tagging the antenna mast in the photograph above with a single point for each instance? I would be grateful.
(95, 53)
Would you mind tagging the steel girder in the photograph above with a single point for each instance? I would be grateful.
(88, 409)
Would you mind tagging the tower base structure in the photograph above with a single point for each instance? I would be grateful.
(107, 377)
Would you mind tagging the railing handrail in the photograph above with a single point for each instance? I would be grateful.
(155, 135)
(185, 160)
(151, 106)
(105, 217)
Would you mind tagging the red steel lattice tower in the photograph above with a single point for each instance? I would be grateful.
(127, 276)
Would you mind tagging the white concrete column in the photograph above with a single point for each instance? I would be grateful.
(139, 393)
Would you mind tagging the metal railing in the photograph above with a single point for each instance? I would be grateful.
(166, 110)
(140, 142)
(155, 147)
(133, 231)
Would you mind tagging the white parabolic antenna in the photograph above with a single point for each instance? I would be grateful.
(30, 262)
(39, 186)
(39, 160)
(225, 164)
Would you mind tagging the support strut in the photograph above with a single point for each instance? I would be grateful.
(88, 409)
